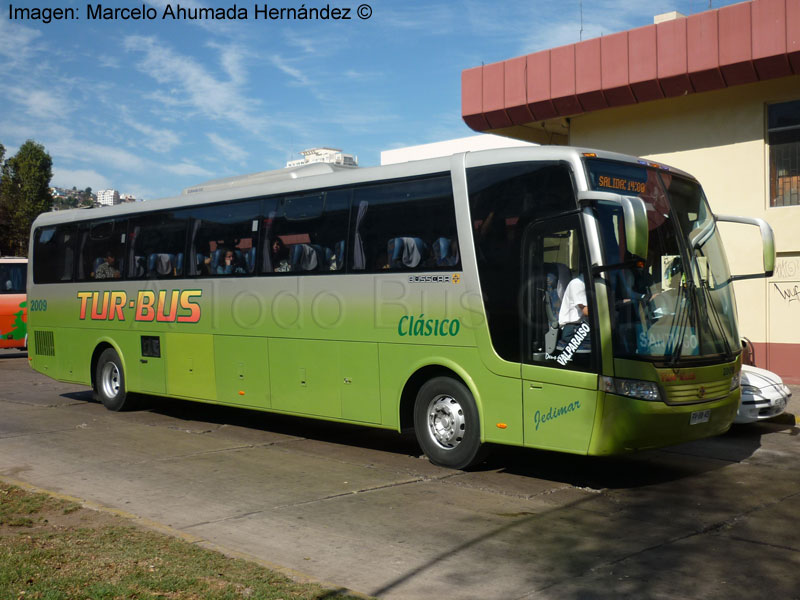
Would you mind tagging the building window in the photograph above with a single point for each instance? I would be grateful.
(783, 137)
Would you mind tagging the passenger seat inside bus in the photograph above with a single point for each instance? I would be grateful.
(164, 264)
(334, 259)
(445, 252)
(250, 259)
(306, 257)
(405, 252)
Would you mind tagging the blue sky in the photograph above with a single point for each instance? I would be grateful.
(150, 107)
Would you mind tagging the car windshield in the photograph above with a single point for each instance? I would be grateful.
(678, 302)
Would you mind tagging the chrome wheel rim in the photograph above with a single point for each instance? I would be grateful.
(109, 380)
(446, 422)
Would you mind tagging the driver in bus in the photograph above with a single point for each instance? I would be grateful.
(574, 311)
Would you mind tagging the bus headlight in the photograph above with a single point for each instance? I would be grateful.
(735, 380)
(633, 388)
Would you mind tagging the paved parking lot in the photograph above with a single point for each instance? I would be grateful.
(359, 508)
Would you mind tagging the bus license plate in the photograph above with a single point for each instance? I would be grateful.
(700, 416)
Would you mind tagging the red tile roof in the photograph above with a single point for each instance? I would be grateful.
(729, 46)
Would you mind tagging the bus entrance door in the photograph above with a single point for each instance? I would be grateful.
(558, 370)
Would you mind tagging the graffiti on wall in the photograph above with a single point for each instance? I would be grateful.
(788, 291)
(787, 267)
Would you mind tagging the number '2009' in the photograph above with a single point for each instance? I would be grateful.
(37, 305)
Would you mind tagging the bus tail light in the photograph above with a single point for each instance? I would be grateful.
(632, 388)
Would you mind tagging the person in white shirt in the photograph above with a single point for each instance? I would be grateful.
(573, 304)
(572, 318)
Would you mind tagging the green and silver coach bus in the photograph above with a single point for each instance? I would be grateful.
(546, 297)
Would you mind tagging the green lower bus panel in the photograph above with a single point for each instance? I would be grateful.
(242, 370)
(326, 378)
(190, 366)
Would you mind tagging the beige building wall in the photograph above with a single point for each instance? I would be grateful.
(720, 138)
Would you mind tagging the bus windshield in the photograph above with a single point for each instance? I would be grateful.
(13, 276)
(678, 303)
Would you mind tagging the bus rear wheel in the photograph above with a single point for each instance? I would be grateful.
(447, 424)
(110, 382)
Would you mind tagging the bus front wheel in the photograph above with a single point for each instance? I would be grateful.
(110, 381)
(446, 423)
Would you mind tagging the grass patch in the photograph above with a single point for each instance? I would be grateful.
(53, 550)
(18, 507)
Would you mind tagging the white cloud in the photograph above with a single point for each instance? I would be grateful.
(157, 139)
(291, 71)
(186, 169)
(430, 19)
(216, 98)
(108, 61)
(230, 150)
(309, 45)
(362, 75)
(16, 41)
(80, 178)
(39, 104)
(232, 59)
(89, 152)
(210, 25)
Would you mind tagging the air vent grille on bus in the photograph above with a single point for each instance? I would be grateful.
(696, 392)
(44, 343)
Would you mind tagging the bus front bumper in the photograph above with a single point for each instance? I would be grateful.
(628, 424)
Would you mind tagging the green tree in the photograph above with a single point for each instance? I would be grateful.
(24, 194)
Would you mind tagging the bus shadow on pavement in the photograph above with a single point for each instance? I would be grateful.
(644, 468)
(633, 470)
(346, 434)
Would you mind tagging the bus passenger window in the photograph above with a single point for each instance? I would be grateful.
(408, 225)
(224, 239)
(101, 253)
(156, 245)
(53, 252)
(307, 234)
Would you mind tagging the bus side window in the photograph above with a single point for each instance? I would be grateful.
(408, 225)
(53, 252)
(224, 239)
(307, 234)
(156, 245)
(101, 252)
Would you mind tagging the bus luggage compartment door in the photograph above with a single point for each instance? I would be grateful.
(242, 370)
(325, 378)
(190, 366)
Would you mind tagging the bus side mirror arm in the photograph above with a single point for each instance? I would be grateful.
(634, 211)
(767, 240)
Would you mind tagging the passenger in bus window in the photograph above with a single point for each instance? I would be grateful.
(280, 256)
(107, 270)
(229, 264)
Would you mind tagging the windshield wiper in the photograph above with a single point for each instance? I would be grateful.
(680, 320)
(710, 308)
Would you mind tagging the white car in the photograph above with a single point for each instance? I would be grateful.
(764, 395)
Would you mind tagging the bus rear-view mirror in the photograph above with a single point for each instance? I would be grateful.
(767, 244)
